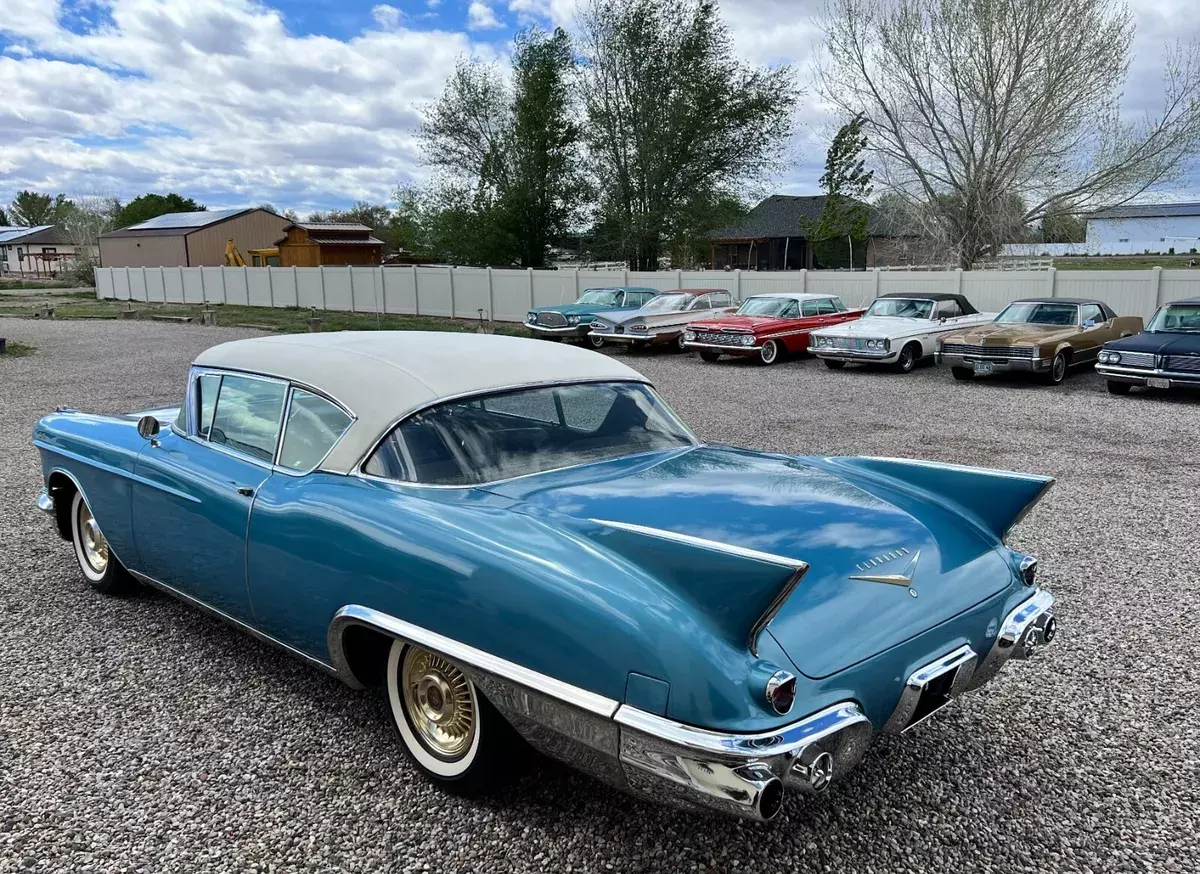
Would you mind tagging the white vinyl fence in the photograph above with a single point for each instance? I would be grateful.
(506, 295)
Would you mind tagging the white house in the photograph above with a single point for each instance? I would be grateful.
(1155, 226)
(36, 251)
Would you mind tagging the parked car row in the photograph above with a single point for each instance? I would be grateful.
(1045, 337)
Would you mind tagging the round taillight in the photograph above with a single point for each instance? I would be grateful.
(781, 691)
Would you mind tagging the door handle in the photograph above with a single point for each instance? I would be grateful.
(245, 491)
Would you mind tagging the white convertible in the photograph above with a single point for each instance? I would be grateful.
(897, 329)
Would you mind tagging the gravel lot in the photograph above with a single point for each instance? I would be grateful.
(140, 735)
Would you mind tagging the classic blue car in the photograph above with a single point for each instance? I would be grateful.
(573, 321)
(1165, 355)
(520, 539)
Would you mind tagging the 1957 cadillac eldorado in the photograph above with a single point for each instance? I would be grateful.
(520, 539)
(898, 329)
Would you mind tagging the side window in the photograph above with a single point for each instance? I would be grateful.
(948, 309)
(206, 390)
(838, 305)
(825, 307)
(247, 417)
(809, 308)
(388, 460)
(1094, 313)
(313, 426)
(700, 303)
(720, 299)
(790, 310)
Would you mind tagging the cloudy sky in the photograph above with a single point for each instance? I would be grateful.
(313, 103)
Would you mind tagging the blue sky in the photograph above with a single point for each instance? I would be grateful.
(314, 103)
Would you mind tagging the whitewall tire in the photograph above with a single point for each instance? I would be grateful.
(96, 560)
(447, 728)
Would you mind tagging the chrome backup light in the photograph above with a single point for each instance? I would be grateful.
(1029, 566)
(781, 691)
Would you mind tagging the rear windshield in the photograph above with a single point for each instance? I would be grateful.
(500, 436)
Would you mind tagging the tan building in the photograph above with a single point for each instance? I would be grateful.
(311, 244)
(190, 239)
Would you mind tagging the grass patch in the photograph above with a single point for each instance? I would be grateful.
(20, 283)
(284, 320)
(1116, 262)
(15, 349)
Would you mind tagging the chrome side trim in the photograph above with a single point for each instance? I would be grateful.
(235, 622)
(356, 614)
(703, 543)
(107, 468)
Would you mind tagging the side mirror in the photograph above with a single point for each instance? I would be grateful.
(148, 427)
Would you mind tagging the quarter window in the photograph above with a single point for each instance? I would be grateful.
(810, 308)
(948, 309)
(313, 426)
(825, 307)
(206, 391)
(1094, 313)
(247, 416)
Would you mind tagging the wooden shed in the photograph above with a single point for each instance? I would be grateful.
(311, 244)
(190, 239)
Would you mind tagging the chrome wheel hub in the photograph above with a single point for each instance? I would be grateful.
(95, 547)
(439, 703)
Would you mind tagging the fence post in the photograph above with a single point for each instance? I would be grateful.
(958, 280)
(875, 290)
(296, 284)
(270, 286)
(678, 278)
(530, 271)
(246, 280)
(737, 283)
(224, 293)
(453, 308)
(162, 277)
(129, 286)
(416, 291)
(183, 288)
(1156, 286)
(1052, 282)
(804, 280)
(491, 296)
(321, 269)
(576, 283)
(625, 276)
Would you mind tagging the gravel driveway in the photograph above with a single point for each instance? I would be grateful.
(140, 735)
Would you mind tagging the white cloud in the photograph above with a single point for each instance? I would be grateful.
(480, 16)
(387, 17)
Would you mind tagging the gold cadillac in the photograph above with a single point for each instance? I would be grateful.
(1046, 336)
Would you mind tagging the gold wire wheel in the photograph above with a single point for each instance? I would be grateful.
(439, 703)
(95, 547)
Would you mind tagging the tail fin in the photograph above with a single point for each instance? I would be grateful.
(996, 499)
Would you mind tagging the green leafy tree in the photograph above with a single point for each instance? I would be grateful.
(31, 208)
(513, 151)
(839, 236)
(673, 117)
(1063, 227)
(149, 206)
(3, 218)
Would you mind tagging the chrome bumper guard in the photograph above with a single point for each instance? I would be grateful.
(729, 349)
(744, 775)
(1140, 375)
(861, 356)
(581, 330)
(999, 364)
(1028, 627)
(45, 503)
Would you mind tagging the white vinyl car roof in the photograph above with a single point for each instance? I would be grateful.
(794, 295)
(381, 376)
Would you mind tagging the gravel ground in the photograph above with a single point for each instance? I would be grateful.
(139, 735)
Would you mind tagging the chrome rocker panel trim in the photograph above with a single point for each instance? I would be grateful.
(1139, 375)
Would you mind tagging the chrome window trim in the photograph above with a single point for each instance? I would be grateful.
(359, 469)
(237, 453)
(350, 417)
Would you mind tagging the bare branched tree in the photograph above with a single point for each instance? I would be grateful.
(990, 115)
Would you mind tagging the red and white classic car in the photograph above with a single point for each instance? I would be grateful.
(767, 326)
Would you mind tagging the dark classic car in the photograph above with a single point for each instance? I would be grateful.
(518, 539)
(662, 321)
(1165, 355)
(573, 321)
(767, 326)
(1042, 335)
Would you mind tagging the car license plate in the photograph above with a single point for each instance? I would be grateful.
(1155, 382)
(984, 367)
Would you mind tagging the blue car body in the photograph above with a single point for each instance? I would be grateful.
(636, 606)
(574, 320)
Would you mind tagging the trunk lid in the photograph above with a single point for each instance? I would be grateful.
(799, 508)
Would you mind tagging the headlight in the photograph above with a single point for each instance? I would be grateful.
(872, 344)
(689, 336)
(531, 317)
(824, 342)
(572, 320)
(1110, 357)
(638, 328)
(748, 340)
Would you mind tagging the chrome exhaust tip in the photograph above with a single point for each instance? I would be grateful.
(814, 770)
(770, 799)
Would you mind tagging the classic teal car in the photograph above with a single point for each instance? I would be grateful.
(521, 540)
(573, 321)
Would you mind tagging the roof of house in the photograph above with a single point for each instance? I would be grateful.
(345, 241)
(331, 226)
(175, 224)
(381, 376)
(1148, 210)
(19, 235)
(334, 234)
(779, 216)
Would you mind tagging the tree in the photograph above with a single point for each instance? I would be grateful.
(149, 206)
(31, 208)
(839, 236)
(91, 215)
(971, 103)
(514, 149)
(673, 115)
(3, 218)
(1061, 227)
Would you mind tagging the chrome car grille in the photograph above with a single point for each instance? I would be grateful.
(1138, 359)
(988, 351)
(719, 339)
(552, 320)
(1186, 363)
(851, 343)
